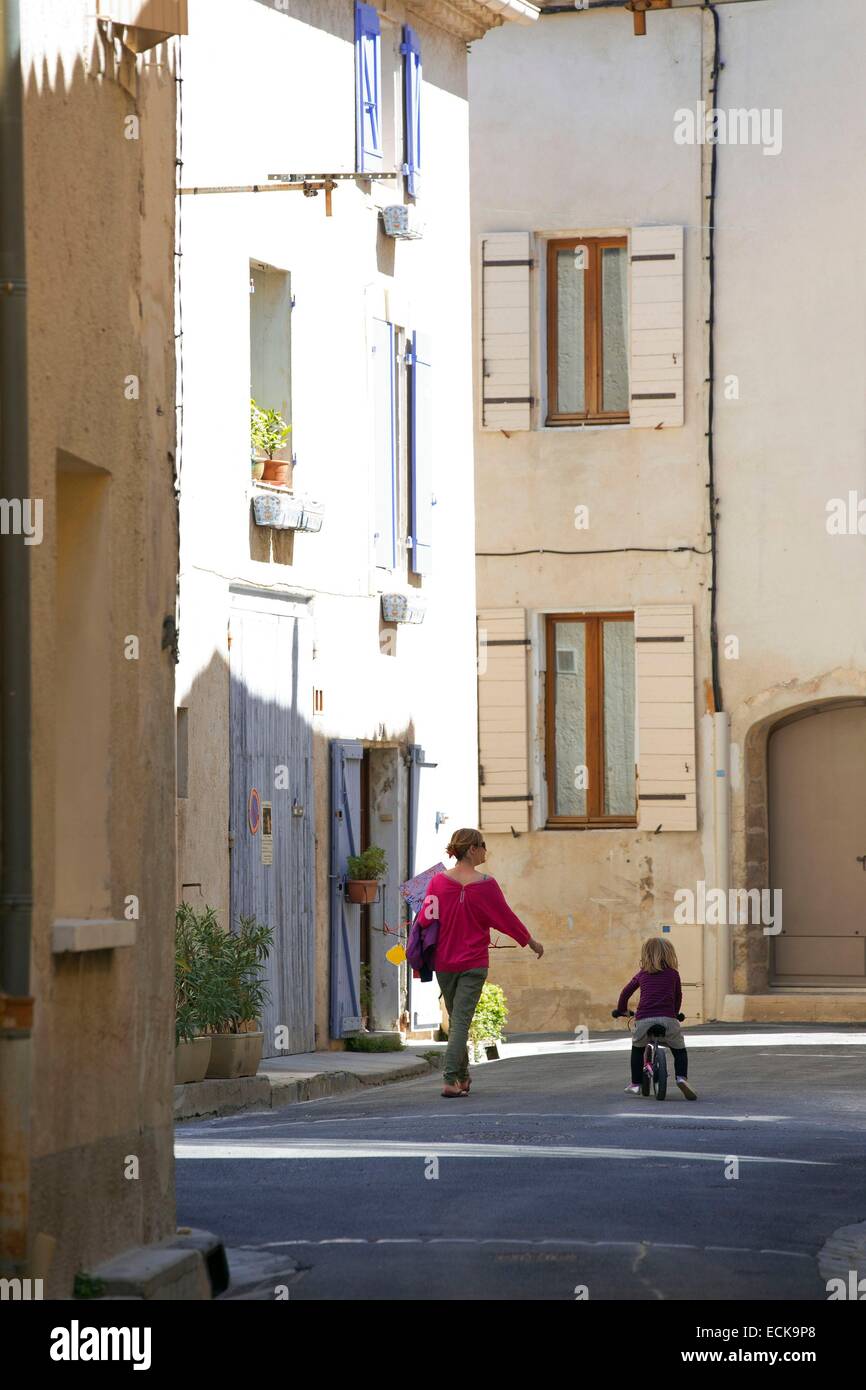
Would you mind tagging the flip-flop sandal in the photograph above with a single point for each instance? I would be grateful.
(464, 1086)
(453, 1095)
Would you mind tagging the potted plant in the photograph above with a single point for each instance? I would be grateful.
(364, 872)
(191, 996)
(485, 1030)
(268, 433)
(239, 962)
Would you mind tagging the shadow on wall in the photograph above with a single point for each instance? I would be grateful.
(252, 760)
(337, 17)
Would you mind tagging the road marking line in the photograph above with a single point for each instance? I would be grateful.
(557, 1240)
(331, 1149)
(692, 1115)
(494, 1115)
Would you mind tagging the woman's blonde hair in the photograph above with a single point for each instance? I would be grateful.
(462, 841)
(658, 954)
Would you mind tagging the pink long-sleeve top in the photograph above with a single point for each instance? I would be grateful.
(467, 913)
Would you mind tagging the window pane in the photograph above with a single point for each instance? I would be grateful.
(569, 685)
(614, 328)
(570, 299)
(619, 788)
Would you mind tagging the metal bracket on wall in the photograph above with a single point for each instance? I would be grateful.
(308, 184)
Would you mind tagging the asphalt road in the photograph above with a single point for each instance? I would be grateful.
(549, 1181)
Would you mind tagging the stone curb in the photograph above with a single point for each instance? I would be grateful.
(275, 1090)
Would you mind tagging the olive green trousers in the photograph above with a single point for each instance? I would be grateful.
(461, 992)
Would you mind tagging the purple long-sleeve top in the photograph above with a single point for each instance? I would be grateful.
(661, 994)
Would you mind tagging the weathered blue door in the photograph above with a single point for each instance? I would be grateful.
(271, 822)
(346, 757)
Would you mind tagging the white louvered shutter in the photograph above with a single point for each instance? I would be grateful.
(667, 785)
(656, 368)
(502, 720)
(506, 392)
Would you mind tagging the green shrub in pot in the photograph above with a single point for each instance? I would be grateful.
(489, 1020)
(364, 872)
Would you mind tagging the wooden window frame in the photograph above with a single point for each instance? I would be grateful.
(594, 688)
(593, 343)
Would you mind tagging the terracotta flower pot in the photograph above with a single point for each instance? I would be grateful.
(362, 890)
(191, 1061)
(276, 471)
(235, 1054)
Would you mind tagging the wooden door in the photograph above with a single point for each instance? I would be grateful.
(817, 812)
(271, 788)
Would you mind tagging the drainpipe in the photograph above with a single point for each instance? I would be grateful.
(722, 851)
(16, 1004)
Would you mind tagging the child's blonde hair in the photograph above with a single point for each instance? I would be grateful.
(658, 954)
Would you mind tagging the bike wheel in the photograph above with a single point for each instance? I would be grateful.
(647, 1069)
(660, 1074)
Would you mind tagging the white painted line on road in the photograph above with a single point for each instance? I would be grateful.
(568, 1047)
(801, 1255)
(692, 1115)
(537, 1244)
(346, 1148)
(644, 1112)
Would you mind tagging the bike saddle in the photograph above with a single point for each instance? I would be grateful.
(657, 1031)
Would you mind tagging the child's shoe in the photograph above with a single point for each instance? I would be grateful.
(633, 1090)
(686, 1088)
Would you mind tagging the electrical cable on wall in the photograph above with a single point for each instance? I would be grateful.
(614, 550)
(711, 358)
(178, 261)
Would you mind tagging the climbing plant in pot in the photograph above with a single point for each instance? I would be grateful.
(363, 874)
(240, 962)
(268, 434)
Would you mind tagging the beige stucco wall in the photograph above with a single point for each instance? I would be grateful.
(572, 131)
(100, 307)
(299, 63)
(554, 156)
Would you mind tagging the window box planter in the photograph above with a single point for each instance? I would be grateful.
(400, 608)
(191, 1060)
(235, 1054)
(286, 512)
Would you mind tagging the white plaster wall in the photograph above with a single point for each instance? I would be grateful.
(268, 92)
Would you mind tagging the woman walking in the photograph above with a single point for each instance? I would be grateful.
(467, 905)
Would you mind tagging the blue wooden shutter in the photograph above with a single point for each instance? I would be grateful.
(368, 87)
(421, 454)
(384, 445)
(346, 756)
(411, 50)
